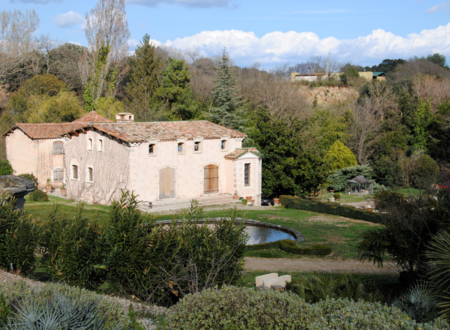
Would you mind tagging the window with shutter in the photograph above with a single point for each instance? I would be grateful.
(75, 172)
(58, 174)
(58, 147)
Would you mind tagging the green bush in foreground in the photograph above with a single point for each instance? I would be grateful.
(235, 308)
(38, 196)
(60, 306)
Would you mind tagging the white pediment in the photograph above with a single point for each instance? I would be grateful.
(249, 155)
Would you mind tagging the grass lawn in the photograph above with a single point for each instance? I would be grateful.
(40, 210)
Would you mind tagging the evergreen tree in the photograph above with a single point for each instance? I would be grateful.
(144, 79)
(175, 94)
(228, 104)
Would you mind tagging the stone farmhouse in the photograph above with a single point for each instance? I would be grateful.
(95, 158)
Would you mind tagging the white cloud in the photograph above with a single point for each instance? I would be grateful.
(280, 47)
(444, 6)
(68, 19)
(187, 3)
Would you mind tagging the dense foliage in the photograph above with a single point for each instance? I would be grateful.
(340, 156)
(243, 308)
(5, 167)
(20, 236)
(158, 263)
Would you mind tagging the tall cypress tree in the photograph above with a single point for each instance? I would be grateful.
(228, 104)
(144, 79)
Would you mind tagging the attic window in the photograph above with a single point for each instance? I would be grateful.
(90, 144)
(197, 146)
(151, 149)
(58, 147)
(100, 145)
(223, 144)
(180, 148)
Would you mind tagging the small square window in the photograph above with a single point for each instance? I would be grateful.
(197, 146)
(75, 172)
(180, 147)
(151, 149)
(223, 145)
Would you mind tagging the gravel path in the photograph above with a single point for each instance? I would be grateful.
(301, 265)
(138, 307)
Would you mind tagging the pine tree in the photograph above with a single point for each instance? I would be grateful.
(144, 80)
(175, 94)
(228, 104)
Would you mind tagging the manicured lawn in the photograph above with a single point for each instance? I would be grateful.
(41, 210)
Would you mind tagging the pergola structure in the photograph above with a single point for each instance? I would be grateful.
(358, 186)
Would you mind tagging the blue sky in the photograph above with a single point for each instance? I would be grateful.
(270, 32)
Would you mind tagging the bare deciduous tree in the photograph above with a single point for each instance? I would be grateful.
(105, 62)
(363, 129)
(432, 89)
(16, 41)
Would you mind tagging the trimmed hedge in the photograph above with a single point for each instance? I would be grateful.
(330, 208)
(290, 246)
(264, 246)
(317, 249)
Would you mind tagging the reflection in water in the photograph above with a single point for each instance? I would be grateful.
(259, 235)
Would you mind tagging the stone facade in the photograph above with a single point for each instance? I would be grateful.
(101, 158)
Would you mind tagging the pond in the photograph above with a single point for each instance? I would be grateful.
(259, 235)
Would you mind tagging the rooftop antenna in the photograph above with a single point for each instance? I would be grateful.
(327, 73)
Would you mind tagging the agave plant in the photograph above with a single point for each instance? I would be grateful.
(35, 313)
(418, 302)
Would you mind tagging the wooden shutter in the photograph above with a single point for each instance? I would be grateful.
(58, 174)
(167, 183)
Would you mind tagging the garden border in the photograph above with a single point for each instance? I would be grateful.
(298, 236)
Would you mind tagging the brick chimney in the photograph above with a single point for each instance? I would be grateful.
(124, 117)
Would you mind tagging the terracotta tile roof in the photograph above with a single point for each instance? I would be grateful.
(92, 117)
(139, 132)
(46, 131)
(241, 152)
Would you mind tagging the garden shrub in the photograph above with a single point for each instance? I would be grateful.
(316, 249)
(330, 208)
(19, 238)
(263, 246)
(163, 263)
(290, 246)
(337, 196)
(73, 249)
(321, 286)
(77, 304)
(5, 167)
(38, 196)
(240, 308)
(31, 177)
(234, 308)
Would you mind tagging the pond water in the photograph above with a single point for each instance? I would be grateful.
(259, 235)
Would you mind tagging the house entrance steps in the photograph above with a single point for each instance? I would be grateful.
(176, 205)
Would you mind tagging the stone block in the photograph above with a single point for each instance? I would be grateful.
(278, 281)
(260, 279)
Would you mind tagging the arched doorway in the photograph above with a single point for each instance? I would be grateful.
(211, 179)
(167, 183)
